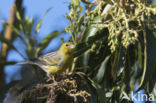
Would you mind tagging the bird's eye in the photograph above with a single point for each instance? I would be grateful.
(67, 45)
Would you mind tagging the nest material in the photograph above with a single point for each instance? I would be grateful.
(69, 88)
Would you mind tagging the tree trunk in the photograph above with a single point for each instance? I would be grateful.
(5, 47)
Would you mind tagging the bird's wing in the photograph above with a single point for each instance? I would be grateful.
(53, 58)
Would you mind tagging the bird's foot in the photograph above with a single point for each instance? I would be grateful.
(51, 77)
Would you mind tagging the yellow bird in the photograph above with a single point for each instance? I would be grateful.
(55, 62)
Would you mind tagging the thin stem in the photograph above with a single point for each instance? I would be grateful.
(74, 64)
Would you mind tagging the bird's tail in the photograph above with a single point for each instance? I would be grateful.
(26, 62)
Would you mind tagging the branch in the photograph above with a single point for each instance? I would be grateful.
(5, 48)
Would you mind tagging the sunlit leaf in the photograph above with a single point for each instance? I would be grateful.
(148, 75)
(38, 26)
(28, 25)
(18, 15)
(75, 2)
(47, 40)
(109, 94)
(90, 30)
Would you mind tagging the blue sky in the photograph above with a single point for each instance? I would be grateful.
(54, 20)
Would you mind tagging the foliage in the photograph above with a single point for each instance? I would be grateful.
(120, 38)
(27, 31)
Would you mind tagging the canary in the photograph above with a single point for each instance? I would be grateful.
(55, 62)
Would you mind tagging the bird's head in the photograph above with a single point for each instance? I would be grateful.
(67, 48)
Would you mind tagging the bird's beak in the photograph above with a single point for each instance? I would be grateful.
(72, 46)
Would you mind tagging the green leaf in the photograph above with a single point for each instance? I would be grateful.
(46, 41)
(118, 61)
(91, 31)
(18, 15)
(154, 4)
(109, 94)
(47, 11)
(140, 57)
(38, 26)
(17, 33)
(75, 3)
(101, 71)
(28, 25)
(148, 75)
(106, 10)
(101, 93)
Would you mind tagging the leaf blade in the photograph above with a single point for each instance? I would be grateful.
(43, 44)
